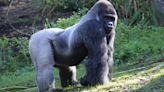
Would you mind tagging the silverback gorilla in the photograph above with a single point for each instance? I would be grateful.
(92, 36)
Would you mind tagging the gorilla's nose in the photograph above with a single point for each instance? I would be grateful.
(110, 25)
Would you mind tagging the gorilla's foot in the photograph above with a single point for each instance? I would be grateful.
(84, 81)
(76, 83)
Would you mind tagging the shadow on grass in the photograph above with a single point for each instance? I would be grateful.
(155, 85)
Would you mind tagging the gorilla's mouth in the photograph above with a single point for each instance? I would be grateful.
(108, 28)
(108, 31)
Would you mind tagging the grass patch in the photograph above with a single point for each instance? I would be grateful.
(138, 80)
(148, 79)
(26, 78)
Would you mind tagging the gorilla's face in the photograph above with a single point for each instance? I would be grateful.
(109, 23)
(108, 17)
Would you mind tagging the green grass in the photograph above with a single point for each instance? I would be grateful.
(139, 80)
(19, 80)
(148, 79)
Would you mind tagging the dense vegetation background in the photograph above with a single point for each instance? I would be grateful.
(139, 42)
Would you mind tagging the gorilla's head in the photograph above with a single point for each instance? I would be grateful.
(104, 12)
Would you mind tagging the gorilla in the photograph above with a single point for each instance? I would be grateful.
(92, 36)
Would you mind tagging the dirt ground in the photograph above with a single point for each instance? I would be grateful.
(11, 18)
(22, 16)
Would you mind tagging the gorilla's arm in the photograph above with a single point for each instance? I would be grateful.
(110, 42)
(67, 75)
(96, 63)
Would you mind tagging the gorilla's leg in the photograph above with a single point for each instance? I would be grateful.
(110, 64)
(110, 71)
(45, 78)
(68, 75)
(110, 42)
(42, 55)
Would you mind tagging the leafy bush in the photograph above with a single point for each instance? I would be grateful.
(65, 4)
(14, 54)
(138, 43)
(132, 11)
(139, 11)
(64, 23)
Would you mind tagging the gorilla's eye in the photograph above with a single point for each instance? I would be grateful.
(109, 18)
(106, 17)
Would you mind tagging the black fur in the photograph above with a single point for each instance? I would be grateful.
(93, 36)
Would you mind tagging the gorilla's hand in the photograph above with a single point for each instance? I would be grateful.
(84, 82)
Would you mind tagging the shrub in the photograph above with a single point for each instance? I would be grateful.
(64, 23)
(138, 43)
(139, 11)
(14, 54)
(65, 5)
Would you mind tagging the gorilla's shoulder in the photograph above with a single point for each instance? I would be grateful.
(91, 28)
(93, 24)
(93, 21)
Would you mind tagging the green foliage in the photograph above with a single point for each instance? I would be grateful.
(13, 54)
(65, 4)
(5, 51)
(138, 43)
(148, 15)
(64, 23)
(138, 11)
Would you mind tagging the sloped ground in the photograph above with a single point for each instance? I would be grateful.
(25, 17)
(19, 16)
(130, 79)
(137, 79)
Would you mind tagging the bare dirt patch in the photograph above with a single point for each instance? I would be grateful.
(23, 16)
(17, 16)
